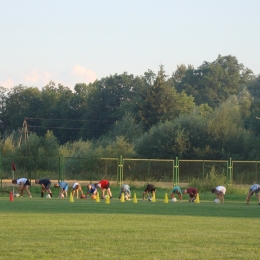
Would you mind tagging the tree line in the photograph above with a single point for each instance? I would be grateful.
(209, 112)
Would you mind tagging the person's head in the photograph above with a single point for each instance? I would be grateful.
(14, 181)
(56, 185)
(89, 186)
(184, 191)
(97, 185)
(213, 190)
(37, 181)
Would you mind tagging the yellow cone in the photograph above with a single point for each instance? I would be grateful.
(71, 197)
(197, 200)
(154, 199)
(122, 199)
(107, 199)
(134, 199)
(97, 197)
(166, 200)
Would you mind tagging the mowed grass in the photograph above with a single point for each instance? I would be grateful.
(41, 228)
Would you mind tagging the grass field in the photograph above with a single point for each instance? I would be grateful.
(41, 228)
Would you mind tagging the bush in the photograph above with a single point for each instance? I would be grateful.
(211, 180)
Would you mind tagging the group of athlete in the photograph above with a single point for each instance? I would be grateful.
(104, 186)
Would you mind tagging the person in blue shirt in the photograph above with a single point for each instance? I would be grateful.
(176, 190)
(64, 186)
(255, 188)
(92, 190)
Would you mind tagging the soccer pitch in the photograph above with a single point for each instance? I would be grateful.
(41, 228)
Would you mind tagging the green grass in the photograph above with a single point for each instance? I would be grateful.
(41, 228)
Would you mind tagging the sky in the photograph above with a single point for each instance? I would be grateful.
(79, 41)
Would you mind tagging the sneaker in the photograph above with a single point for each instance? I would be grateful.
(30, 196)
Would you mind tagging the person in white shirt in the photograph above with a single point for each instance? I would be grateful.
(23, 184)
(220, 192)
(254, 189)
(76, 188)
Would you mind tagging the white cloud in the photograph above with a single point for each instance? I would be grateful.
(79, 72)
(37, 78)
(69, 77)
(8, 83)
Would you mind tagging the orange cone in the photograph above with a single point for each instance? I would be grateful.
(11, 197)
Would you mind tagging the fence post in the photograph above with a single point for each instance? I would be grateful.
(176, 172)
(120, 166)
(1, 169)
(149, 169)
(230, 171)
(61, 168)
(256, 171)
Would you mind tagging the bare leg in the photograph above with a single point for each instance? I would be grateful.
(27, 190)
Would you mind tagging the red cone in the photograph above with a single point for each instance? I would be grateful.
(11, 196)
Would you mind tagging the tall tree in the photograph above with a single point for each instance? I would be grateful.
(159, 101)
(213, 82)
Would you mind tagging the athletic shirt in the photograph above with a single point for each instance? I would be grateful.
(126, 188)
(103, 183)
(92, 189)
(63, 184)
(21, 180)
(74, 185)
(221, 189)
(254, 187)
(45, 182)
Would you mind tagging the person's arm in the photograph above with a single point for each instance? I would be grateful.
(44, 188)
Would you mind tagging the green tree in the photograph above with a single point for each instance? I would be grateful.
(160, 101)
(213, 82)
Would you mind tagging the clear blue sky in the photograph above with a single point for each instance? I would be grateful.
(73, 41)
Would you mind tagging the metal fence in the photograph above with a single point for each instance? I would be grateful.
(127, 170)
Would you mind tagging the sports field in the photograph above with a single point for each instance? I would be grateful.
(41, 228)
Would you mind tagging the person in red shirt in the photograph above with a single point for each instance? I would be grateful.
(104, 185)
(192, 192)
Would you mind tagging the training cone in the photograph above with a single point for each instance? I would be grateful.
(107, 199)
(166, 200)
(154, 199)
(197, 200)
(11, 197)
(134, 199)
(71, 197)
(97, 197)
(122, 199)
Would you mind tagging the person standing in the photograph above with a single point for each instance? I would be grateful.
(255, 188)
(104, 185)
(46, 186)
(220, 192)
(23, 184)
(192, 193)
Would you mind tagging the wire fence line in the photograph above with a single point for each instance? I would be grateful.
(129, 170)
